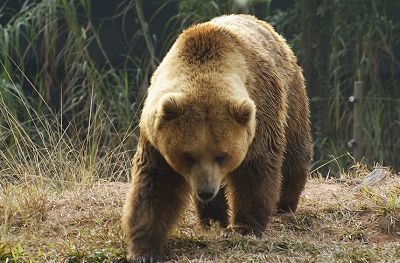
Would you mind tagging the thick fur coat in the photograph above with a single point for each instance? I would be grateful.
(226, 120)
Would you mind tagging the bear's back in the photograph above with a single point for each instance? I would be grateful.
(261, 38)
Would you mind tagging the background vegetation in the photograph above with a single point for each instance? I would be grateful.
(73, 74)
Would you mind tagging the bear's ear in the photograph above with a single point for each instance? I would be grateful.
(170, 107)
(242, 111)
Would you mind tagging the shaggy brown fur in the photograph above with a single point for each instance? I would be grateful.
(227, 106)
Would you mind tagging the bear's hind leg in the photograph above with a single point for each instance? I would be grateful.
(215, 210)
(294, 172)
(298, 147)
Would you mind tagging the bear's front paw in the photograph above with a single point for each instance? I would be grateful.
(148, 258)
(244, 230)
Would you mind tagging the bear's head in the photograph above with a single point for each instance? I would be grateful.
(203, 139)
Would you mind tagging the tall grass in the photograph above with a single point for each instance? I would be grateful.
(42, 151)
(50, 43)
(64, 120)
(365, 49)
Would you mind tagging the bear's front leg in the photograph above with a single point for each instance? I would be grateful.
(153, 205)
(253, 190)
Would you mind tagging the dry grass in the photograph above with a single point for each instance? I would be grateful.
(335, 222)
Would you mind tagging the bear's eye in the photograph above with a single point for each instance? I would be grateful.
(188, 158)
(221, 158)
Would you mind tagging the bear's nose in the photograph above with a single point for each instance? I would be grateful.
(205, 195)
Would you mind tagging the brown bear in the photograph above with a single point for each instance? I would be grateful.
(226, 119)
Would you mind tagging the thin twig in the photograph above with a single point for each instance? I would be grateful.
(146, 34)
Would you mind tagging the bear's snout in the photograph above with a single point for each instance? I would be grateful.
(206, 194)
